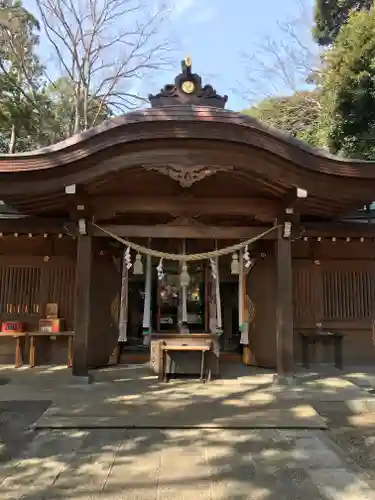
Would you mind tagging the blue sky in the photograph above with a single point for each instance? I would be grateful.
(215, 32)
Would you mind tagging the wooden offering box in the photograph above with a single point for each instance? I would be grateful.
(51, 325)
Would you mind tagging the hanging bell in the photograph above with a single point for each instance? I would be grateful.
(235, 266)
(138, 266)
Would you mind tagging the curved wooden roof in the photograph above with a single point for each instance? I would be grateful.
(266, 161)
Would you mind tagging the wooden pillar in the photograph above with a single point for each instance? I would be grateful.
(284, 313)
(82, 306)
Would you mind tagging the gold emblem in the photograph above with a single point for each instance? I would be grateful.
(188, 87)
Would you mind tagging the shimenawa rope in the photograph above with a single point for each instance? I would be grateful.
(185, 257)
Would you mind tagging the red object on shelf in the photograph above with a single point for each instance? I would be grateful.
(12, 326)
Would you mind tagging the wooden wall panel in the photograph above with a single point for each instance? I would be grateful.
(261, 285)
(19, 290)
(334, 290)
(27, 284)
(25, 289)
(340, 293)
(61, 290)
(304, 294)
(347, 290)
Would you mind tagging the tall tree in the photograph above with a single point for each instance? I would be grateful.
(104, 48)
(24, 100)
(330, 15)
(348, 89)
(295, 115)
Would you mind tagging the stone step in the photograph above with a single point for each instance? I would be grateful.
(296, 417)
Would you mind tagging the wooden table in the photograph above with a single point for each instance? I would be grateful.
(52, 336)
(163, 374)
(18, 336)
(187, 365)
(325, 338)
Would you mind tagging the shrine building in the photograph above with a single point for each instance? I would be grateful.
(185, 213)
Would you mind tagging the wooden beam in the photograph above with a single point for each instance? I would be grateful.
(82, 306)
(34, 225)
(183, 206)
(338, 229)
(199, 232)
(79, 203)
(293, 199)
(284, 307)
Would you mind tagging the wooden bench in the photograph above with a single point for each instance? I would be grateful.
(203, 349)
(19, 338)
(185, 364)
(52, 336)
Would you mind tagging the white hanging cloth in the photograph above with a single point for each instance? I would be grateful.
(243, 303)
(219, 322)
(184, 315)
(241, 308)
(123, 319)
(146, 325)
(183, 303)
(212, 310)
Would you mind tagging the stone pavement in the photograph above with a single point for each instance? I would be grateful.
(146, 462)
(180, 464)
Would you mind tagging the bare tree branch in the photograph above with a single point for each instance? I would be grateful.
(283, 63)
(104, 47)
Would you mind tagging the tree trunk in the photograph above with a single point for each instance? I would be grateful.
(85, 107)
(77, 113)
(12, 140)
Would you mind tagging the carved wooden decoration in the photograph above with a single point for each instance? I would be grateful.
(185, 221)
(188, 175)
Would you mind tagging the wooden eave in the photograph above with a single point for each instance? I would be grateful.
(269, 163)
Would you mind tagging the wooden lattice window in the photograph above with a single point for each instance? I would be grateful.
(20, 290)
(61, 290)
(304, 293)
(347, 292)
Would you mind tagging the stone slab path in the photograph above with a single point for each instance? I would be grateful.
(221, 453)
(180, 465)
(210, 415)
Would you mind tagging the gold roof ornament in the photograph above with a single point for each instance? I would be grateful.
(187, 89)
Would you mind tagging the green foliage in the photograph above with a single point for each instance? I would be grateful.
(23, 97)
(32, 113)
(347, 120)
(295, 115)
(330, 15)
